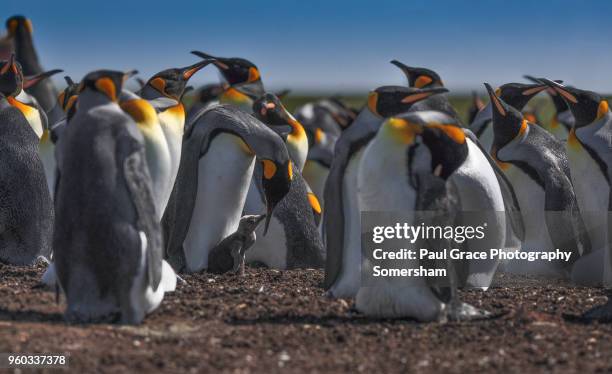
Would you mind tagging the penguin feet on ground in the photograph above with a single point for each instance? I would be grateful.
(229, 254)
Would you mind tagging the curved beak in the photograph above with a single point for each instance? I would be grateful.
(33, 80)
(561, 90)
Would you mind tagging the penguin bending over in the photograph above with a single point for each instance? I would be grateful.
(411, 166)
(217, 164)
(341, 218)
(26, 210)
(164, 91)
(536, 164)
(293, 240)
(109, 261)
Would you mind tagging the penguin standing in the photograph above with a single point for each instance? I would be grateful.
(164, 91)
(536, 165)
(590, 159)
(108, 261)
(20, 29)
(293, 240)
(26, 210)
(411, 166)
(341, 218)
(219, 153)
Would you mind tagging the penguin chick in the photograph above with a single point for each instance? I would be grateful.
(229, 254)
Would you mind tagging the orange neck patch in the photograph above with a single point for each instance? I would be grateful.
(25, 109)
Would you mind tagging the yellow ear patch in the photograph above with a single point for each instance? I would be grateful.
(106, 86)
(61, 97)
(253, 74)
(269, 169)
(373, 101)
(454, 132)
(290, 170)
(12, 27)
(29, 26)
(523, 128)
(159, 84)
(23, 108)
(314, 203)
(402, 130)
(319, 135)
(140, 110)
(422, 81)
(71, 100)
(602, 109)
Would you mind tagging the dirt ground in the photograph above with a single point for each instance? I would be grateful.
(271, 321)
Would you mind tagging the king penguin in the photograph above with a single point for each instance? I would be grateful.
(109, 261)
(20, 29)
(411, 166)
(341, 217)
(164, 91)
(220, 149)
(590, 159)
(205, 96)
(536, 164)
(26, 210)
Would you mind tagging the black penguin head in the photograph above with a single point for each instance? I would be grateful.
(518, 95)
(276, 182)
(586, 106)
(419, 77)
(68, 97)
(507, 121)
(19, 26)
(11, 77)
(172, 82)
(269, 110)
(107, 82)
(387, 101)
(209, 92)
(235, 70)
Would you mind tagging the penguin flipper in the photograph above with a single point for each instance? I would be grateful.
(139, 184)
(563, 218)
(513, 210)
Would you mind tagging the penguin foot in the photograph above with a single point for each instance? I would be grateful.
(464, 312)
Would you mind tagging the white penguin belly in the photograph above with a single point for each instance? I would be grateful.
(173, 133)
(143, 298)
(531, 198)
(160, 164)
(224, 175)
(479, 191)
(592, 192)
(349, 279)
(382, 186)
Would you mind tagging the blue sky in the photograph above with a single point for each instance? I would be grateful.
(334, 46)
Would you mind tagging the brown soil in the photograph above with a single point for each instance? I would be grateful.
(269, 321)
